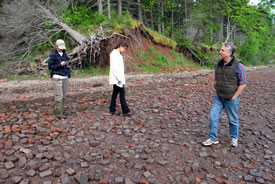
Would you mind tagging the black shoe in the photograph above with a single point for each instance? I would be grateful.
(115, 113)
(128, 114)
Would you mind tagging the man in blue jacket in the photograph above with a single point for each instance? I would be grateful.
(60, 74)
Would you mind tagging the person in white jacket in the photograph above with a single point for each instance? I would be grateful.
(117, 79)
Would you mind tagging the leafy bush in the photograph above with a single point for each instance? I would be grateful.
(91, 71)
(151, 69)
(158, 38)
(196, 49)
(83, 19)
(120, 23)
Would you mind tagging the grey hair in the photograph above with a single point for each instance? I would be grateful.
(230, 47)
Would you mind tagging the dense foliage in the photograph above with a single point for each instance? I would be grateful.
(26, 31)
(204, 22)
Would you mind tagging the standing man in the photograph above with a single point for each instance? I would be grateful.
(230, 77)
(117, 79)
(60, 74)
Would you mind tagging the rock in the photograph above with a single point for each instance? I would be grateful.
(228, 182)
(31, 173)
(119, 180)
(143, 181)
(16, 179)
(87, 158)
(82, 178)
(128, 181)
(203, 154)
(104, 162)
(211, 176)
(29, 155)
(46, 173)
(47, 182)
(219, 180)
(70, 171)
(25, 181)
(103, 181)
(267, 177)
(138, 166)
(217, 164)
(66, 180)
(256, 174)
(9, 165)
(4, 174)
(125, 155)
(8, 144)
(94, 143)
(84, 165)
(248, 178)
(43, 168)
(147, 174)
(162, 162)
(260, 180)
(22, 161)
(98, 175)
(213, 155)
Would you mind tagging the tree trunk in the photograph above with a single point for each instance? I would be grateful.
(228, 28)
(211, 29)
(221, 30)
(172, 24)
(234, 35)
(119, 7)
(109, 9)
(145, 19)
(159, 18)
(100, 7)
(230, 33)
(139, 11)
(79, 38)
(185, 11)
(162, 16)
(152, 19)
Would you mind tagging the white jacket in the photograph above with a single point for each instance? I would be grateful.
(116, 73)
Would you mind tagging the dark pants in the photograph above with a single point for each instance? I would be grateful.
(123, 103)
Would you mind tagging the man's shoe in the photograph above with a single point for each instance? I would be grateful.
(209, 142)
(234, 142)
(128, 114)
(115, 113)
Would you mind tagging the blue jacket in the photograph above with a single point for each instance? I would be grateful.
(54, 64)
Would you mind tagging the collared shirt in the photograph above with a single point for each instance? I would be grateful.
(241, 74)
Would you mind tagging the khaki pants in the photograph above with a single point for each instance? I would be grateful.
(60, 87)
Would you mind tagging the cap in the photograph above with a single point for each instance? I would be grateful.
(60, 44)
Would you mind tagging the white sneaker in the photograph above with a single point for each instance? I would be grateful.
(234, 142)
(209, 142)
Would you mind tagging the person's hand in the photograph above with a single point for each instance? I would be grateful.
(63, 63)
(233, 98)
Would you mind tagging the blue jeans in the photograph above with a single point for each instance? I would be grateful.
(231, 108)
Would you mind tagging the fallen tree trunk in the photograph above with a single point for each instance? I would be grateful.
(93, 49)
(78, 37)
